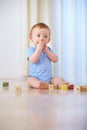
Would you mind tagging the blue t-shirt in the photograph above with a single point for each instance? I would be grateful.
(42, 69)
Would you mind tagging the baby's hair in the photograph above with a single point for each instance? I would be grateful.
(40, 25)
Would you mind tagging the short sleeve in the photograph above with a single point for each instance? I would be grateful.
(30, 51)
(50, 49)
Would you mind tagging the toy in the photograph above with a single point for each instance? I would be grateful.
(71, 86)
(5, 84)
(18, 89)
(52, 86)
(64, 86)
(81, 88)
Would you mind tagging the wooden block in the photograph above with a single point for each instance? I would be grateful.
(85, 89)
(18, 89)
(81, 88)
(78, 89)
(55, 86)
(52, 86)
(64, 86)
(71, 86)
(58, 86)
(5, 84)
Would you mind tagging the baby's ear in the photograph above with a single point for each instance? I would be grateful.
(30, 37)
(49, 40)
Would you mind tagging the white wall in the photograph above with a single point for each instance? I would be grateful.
(12, 37)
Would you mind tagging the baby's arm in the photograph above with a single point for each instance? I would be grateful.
(53, 57)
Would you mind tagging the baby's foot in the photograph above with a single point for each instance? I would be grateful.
(44, 85)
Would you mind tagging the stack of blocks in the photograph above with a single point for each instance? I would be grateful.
(64, 86)
(81, 88)
(67, 86)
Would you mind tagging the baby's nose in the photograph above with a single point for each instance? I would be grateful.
(41, 37)
(42, 40)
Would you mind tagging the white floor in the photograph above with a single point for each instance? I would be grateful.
(33, 109)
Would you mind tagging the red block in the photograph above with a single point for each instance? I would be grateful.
(71, 86)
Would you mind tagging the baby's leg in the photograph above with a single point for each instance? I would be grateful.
(35, 83)
(58, 80)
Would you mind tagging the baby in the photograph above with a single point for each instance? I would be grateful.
(40, 57)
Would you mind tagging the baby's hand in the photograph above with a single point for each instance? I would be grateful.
(40, 45)
(45, 47)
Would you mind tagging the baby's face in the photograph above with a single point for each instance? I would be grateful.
(40, 34)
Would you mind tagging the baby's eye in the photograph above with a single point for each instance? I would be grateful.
(45, 36)
(38, 35)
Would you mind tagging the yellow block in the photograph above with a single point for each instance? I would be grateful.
(64, 86)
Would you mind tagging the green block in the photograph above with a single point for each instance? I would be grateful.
(5, 84)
